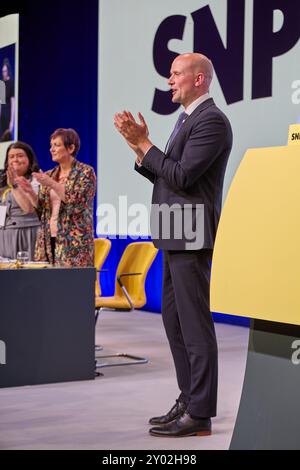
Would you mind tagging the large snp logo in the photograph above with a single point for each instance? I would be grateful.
(267, 44)
(2, 353)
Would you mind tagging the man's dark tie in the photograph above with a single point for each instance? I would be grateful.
(181, 118)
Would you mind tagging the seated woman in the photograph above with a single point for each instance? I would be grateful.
(18, 229)
(65, 205)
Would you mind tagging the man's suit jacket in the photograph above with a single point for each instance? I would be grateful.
(190, 173)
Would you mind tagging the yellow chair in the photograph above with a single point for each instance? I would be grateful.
(130, 278)
(130, 286)
(102, 247)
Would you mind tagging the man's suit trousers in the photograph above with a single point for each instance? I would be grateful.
(190, 329)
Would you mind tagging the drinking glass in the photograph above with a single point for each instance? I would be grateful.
(23, 257)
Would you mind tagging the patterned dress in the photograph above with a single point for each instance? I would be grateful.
(75, 229)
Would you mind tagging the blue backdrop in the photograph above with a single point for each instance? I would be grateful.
(58, 81)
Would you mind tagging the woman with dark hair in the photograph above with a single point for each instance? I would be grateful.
(65, 205)
(18, 229)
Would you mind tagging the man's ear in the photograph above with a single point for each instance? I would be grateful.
(199, 79)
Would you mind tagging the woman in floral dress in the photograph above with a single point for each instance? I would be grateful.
(65, 205)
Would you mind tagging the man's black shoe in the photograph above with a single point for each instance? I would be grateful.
(175, 412)
(185, 425)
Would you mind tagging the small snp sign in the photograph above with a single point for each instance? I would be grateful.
(294, 134)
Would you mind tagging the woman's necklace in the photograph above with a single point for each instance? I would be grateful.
(63, 175)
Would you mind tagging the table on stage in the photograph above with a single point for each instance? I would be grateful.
(47, 325)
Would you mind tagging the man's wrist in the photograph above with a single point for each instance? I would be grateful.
(144, 148)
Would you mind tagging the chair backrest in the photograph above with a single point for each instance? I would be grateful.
(101, 247)
(137, 258)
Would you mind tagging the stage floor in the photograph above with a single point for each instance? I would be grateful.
(112, 412)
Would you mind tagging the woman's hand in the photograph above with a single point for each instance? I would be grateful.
(43, 179)
(11, 175)
(24, 184)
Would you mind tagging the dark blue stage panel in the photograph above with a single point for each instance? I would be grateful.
(47, 325)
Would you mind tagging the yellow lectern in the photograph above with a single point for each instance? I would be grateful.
(256, 264)
(256, 273)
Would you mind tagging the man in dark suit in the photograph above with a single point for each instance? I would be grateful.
(186, 205)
